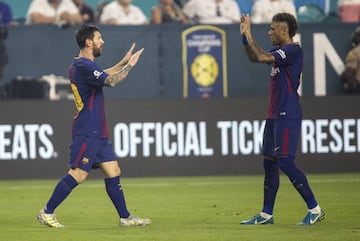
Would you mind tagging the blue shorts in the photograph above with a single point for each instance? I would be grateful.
(87, 153)
(281, 137)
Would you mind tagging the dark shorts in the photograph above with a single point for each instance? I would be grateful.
(87, 153)
(281, 137)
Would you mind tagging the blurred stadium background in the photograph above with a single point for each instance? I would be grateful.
(160, 134)
(20, 7)
(166, 115)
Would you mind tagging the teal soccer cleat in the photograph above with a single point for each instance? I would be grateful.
(258, 219)
(311, 218)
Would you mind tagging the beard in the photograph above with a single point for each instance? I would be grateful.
(97, 51)
(275, 42)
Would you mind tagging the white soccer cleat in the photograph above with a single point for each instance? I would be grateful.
(134, 221)
(49, 220)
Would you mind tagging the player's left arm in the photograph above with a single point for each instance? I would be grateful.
(115, 78)
(121, 64)
(254, 52)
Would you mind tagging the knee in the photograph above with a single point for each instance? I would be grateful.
(78, 174)
(287, 164)
(296, 176)
(110, 169)
(270, 158)
(283, 166)
(117, 171)
(114, 171)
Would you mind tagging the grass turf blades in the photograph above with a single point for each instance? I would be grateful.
(182, 209)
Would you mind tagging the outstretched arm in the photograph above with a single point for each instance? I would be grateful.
(254, 52)
(116, 76)
(117, 67)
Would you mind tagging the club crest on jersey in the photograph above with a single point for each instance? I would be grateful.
(85, 160)
(97, 73)
(281, 53)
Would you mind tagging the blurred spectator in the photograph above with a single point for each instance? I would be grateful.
(350, 78)
(323, 4)
(99, 8)
(6, 16)
(87, 13)
(60, 12)
(212, 11)
(5, 19)
(264, 10)
(349, 11)
(3, 54)
(181, 3)
(167, 12)
(122, 12)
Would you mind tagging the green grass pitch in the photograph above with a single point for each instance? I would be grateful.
(182, 209)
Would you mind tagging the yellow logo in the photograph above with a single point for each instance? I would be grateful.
(77, 97)
(205, 70)
(85, 160)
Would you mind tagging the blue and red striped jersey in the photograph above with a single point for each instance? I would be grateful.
(87, 81)
(285, 79)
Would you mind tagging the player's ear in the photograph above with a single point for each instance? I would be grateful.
(285, 31)
(88, 42)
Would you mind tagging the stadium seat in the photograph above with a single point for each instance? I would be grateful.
(332, 18)
(310, 13)
(20, 7)
(320, 3)
(333, 6)
(332, 13)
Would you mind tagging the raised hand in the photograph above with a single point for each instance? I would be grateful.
(135, 57)
(128, 55)
(114, 79)
(245, 23)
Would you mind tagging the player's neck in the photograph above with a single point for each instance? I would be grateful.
(85, 54)
(286, 42)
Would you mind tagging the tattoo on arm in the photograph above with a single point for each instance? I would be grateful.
(119, 76)
(254, 51)
(251, 55)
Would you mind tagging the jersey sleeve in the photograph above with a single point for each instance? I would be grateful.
(7, 14)
(93, 75)
(286, 55)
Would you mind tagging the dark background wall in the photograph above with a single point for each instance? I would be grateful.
(35, 135)
(40, 131)
(38, 50)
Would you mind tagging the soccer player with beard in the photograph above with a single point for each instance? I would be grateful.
(90, 146)
(283, 120)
